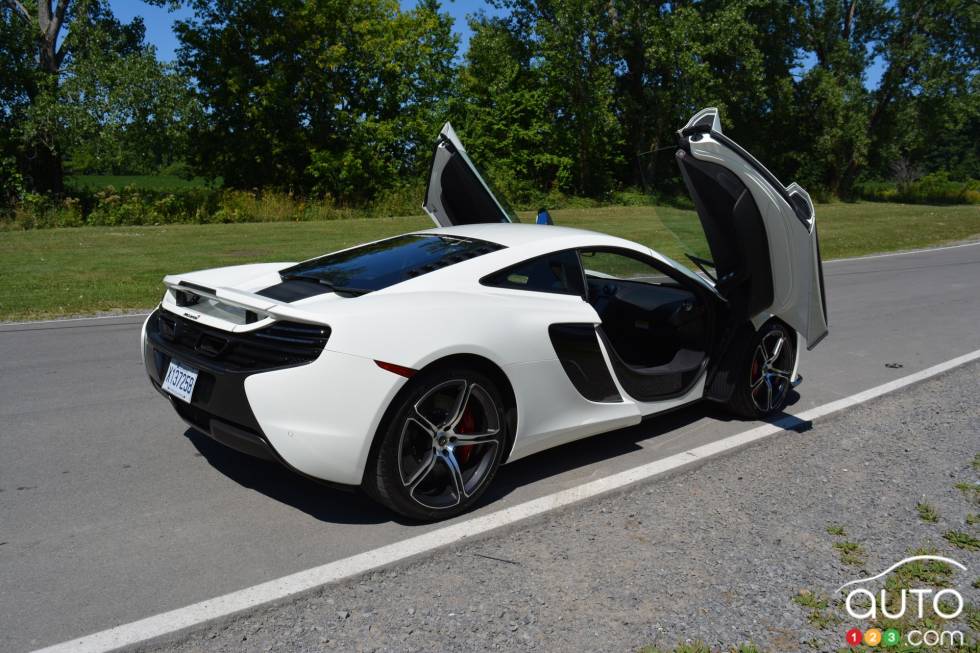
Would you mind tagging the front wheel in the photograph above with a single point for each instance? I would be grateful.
(441, 447)
(765, 377)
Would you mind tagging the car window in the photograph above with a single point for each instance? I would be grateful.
(616, 265)
(378, 265)
(558, 272)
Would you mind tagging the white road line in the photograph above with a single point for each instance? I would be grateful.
(924, 250)
(74, 319)
(170, 623)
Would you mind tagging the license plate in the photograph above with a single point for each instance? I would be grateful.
(180, 381)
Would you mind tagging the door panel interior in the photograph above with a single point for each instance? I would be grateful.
(456, 193)
(647, 323)
(762, 234)
(660, 381)
(463, 196)
(655, 331)
(735, 232)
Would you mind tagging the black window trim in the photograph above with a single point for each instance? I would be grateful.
(486, 280)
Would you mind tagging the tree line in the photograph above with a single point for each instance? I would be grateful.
(342, 99)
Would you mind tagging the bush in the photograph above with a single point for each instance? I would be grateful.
(934, 188)
(39, 212)
(134, 205)
(138, 206)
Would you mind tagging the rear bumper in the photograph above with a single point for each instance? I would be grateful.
(318, 418)
(219, 408)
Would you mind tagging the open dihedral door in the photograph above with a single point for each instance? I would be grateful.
(762, 235)
(456, 193)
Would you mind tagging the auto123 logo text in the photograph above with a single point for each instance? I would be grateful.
(917, 604)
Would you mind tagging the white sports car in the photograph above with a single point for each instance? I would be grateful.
(415, 366)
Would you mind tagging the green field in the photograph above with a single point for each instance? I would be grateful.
(142, 182)
(51, 272)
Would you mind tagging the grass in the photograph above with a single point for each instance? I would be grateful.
(970, 490)
(935, 573)
(826, 615)
(836, 529)
(143, 182)
(818, 609)
(962, 540)
(927, 513)
(851, 553)
(972, 617)
(52, 272)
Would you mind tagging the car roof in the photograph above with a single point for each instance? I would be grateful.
(511, 234)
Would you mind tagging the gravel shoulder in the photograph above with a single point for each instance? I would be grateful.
(715, 554)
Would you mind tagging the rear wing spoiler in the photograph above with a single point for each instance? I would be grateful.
(256, 308)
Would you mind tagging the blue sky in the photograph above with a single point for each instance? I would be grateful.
(159, 26)
(159, 22)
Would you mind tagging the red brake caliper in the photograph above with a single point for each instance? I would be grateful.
(466, 425)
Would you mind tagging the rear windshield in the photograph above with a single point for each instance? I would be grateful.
(387, 262)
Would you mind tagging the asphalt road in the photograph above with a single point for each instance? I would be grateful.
(715, 554)
(111, 510)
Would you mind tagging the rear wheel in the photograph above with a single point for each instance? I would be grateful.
(765, 377)
(441, 447)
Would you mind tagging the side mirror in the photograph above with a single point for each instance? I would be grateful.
(544, 217)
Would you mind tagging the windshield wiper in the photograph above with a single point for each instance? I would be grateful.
(323, 282)
(703, 265)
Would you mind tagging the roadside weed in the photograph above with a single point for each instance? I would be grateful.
(920, 572)
(851, 553)
(972, 519)
(817, 606)
(927, 513)
(962, 540)
(971, 614)
(970, 490)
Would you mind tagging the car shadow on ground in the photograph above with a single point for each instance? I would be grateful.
(334, 505)
(320, 501)
(604, 446)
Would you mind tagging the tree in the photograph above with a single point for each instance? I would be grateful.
(504, 113)
(43, 26)
(926, 108)
(94, 90)
(925, 94)
(570, 59)
(678, 57)
(341, 97)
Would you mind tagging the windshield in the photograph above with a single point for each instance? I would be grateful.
(387, 262)
(685, 238)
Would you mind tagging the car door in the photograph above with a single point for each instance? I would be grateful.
(457, 193)
(762, 234)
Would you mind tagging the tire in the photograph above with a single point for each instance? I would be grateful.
(440, 445)
(763, 379)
